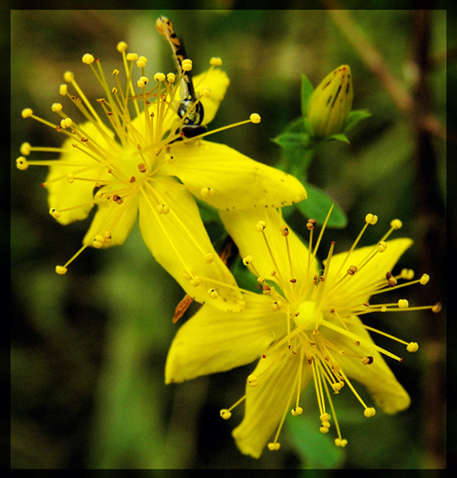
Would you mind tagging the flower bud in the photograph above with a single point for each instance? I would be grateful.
(331, 102)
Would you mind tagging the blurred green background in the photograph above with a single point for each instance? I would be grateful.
(89, 348)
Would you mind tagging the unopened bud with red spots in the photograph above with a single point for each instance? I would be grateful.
(331, 102)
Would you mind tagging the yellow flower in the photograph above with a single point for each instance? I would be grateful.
(304, 327)
(130, 157)
(331, 102)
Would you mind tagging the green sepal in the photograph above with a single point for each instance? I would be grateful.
(306, 92)
(354, 119)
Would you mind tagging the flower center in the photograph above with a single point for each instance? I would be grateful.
(130, 161)
(306, 315)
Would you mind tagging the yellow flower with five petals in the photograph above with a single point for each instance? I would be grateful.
(130, 159)
(304, 327)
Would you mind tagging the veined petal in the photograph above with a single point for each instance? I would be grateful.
(377, 377)
(179, 242)
(63, 195)
(348, 292)
(213, 341)
(241, 227)
(267, 402)
(234, 180)
(217, 81)
(118, 219)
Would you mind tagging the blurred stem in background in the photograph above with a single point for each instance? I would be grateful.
(430, 210)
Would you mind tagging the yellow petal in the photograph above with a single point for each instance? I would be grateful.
(62, 194)
(241, 227)
(180, 243)
(118, 219)
(234, 180)
(267, 402)
(347, 294)
(377, 377)
(214, 341)
(217, 81)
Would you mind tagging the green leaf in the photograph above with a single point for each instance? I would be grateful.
(289, 139)
(317, 450)
(306, 92)
(317, 206)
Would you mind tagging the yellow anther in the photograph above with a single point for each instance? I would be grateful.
(21, 163)
(27, 112)
(107, 237)
(163, 208)
(403, 304)
(206, 91)
(159, 76)
(412, 347)
(25, 149)
(253, 380)
(88, 59)
(225, 414)
(247, 260)
(337, 386)
(195, 281)
(54, 213)
(284, 231)
(437, 307)
(68, 76)
(115, 72)
(255, 118)
(121, 46)
(213, 293)
(209, 258)
(206, 192)
(186, 65)
(382, 246)
(275, 306)
(325, 424)
(407, 274)
(367, 360)
(424, 279)
(171, 77)
(325, 417)
(296, 411)
(341, 442)
(215, 61)
(132, 56)
(323, 429)
(369, 412)
(371, 219)
(260, 226)
(141, 63)
(56, 107)
(396, 224)
(98, 241)
(352, 270)
(63, 89)
(169, 158)
(310, 224)
(140, 83)
(61, 270)
(71, 178)
(274, 446)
